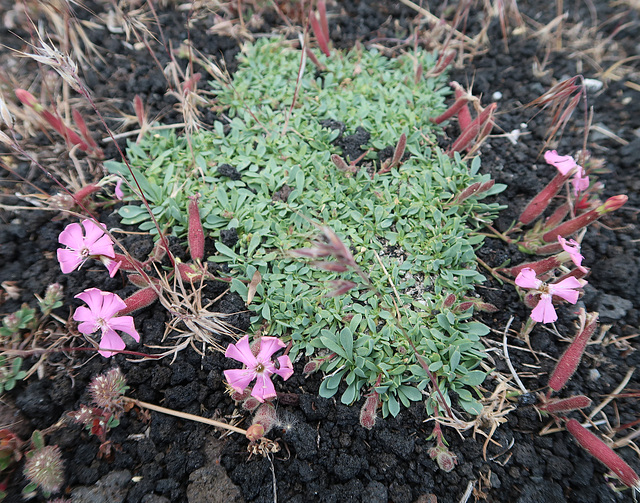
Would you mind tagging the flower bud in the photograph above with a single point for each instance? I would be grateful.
(255, 432)
(266, 417)
(196, 234)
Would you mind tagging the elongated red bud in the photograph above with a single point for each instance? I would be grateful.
(330, 266)
(449, 301)
(140, 299)
(139, 108)
(539, 203)
(569, 361)
(85, 192)
(603, 453)
(458, 105)
(340, 287)
(128, 264)
(575, 224)
(190, 272)
(464, 116)
(321, 37)
(565, 405)
(539, 266)
(28, 99)
(196, 234)
(342, 165)
(472, 130)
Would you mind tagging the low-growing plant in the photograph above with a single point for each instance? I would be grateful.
(268, 186)
(107, 405)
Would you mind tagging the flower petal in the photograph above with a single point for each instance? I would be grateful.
(69, 260)
(566, 289)
(111, 304)
(564, 163)
(544, 312)
(93, 298)
(527, 279)
(264, 389)
(103, 246)
(241, 352)
(110, 340)
(125, 324)
(111, 265)
(268, 346)
(118, 190)
(286, 367)
(92, 232)
(239, 379)
(72, 236)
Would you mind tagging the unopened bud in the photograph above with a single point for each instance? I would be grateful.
(255, 432)
(449, 301)
(368, 411)
(140, 299)
(196, 234)
(565, 405)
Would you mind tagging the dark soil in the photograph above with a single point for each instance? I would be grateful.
(327, 456)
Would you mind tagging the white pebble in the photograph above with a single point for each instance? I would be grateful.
(496, 96)
(593, 85)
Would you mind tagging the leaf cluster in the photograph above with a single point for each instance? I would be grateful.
(407, 217)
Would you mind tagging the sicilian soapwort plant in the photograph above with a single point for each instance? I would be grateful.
(349, 147)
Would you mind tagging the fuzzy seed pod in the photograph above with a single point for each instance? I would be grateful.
(566, 404)
(601, 451)
(569, 361)
(140, 299)
(368, 411)
(45, 468)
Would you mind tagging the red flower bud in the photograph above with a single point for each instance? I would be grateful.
(601, 451)
(140, 299)
(569, 361)
(196, 234)
(566, 404)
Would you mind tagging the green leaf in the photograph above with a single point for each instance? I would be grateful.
(473, 378)
(346, 339)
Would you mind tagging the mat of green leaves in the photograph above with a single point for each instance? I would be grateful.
(407, 216)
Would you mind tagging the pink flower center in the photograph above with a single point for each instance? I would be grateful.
(84, 252)
(259, 368)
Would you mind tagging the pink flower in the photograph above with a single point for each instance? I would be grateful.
(544, 312)
(573, 249)
(258, 367)
(579, 181)
(93, 243)
(101, 315)
(118, 189)
(564, 163)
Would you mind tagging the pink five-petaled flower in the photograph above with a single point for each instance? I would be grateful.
(258, 367)
(101, 315)
(573, 249)
(544, 311)
(93, 243)
(565, 164)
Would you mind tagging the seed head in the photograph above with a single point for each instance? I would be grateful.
(45, 468)
(106, 389)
